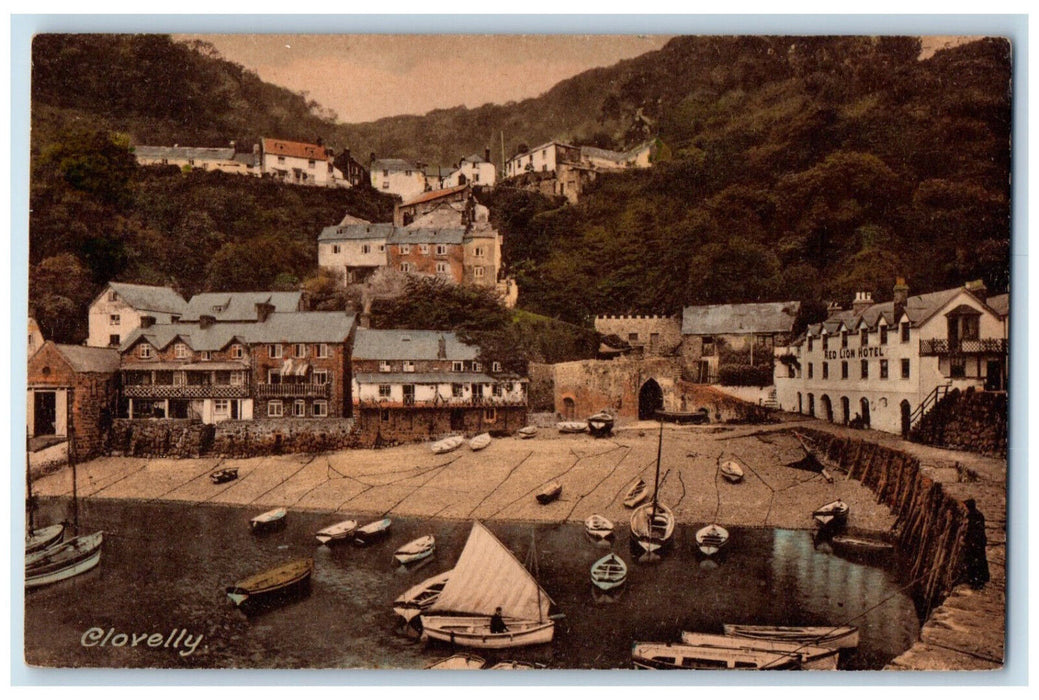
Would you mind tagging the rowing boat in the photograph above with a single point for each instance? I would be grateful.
(334, 534)
(416, 550)
(636, 494)
(222, 476)
(62, 561)
(731, 471)
(480, 441)
(845, 637)
(598, 527)
(572, 426)
(812, 658)
(833, 515)
(549, 493)
(600, 424)
(447, 444)
(269, 520)
(685, 656)
(372, 532)
(527, 432)
(609, 572)
(44, 537)
(413, 601)
(267, 583)
(458, 662)
(711, 539)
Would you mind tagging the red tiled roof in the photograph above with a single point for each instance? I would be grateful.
(295, 149)
(436, 194)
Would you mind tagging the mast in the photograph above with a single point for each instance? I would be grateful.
(29, 505)
(656, 479)
(72, 461)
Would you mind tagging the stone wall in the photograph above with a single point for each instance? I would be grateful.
(385, 427)
(594, 385)
(656, 335)
(722, 408)
(270, 437)
(540, 396)
(167, 437)
(970, 420)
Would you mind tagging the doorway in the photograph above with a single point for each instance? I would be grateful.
(845, 410)
(569, 409)
(864, 403)
(827, 408)
(651, 399)
(45, 413)
(906, 410)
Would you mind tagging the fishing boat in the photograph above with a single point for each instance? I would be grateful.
(527, 432)
(549, 492)
(731, 471)
(600, 424)
(268, 521)
(488, 576)
(515, 666)
(609, 572)
(810, 658)
(663, 655)
(334, 534)
(62, 561)
(416, 550)
(636, 494)
(653, 523)
(372, 532)
(841, 637)
(711, 539)
(598, 527)
(572, 426)
(413, 601)
(281, 579)
(458, 662)
(222, 476)
(44, 537)
(852, 546)
(833, 515)
(480, 441)
(817, 460)
(448, 444)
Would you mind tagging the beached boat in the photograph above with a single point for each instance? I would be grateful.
(480, 441)
(635, 495)
(62, 561)
(372, 532)
(609, 572)
(572, 426)
(833, 515)
(549, 492)
(281, 579)
(852, 546)
(731, 471)
(334, 534)
(598, 527)
(810, 658)
(416, 550)
(516, 666)
(488, 576)
(841, 637)
(268, 521)
(44, 537)
(711, 539)
(817, 460)
(222, 476)
(653, 523)
(527, 432)
(698, 417)
(661, 655)
(447, 444)
(413, 601)
(458, 662)
(600, 424)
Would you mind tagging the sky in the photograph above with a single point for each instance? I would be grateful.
(365, 77)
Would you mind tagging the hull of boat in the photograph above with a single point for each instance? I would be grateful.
(447, 445)
(711, 540)
(732, 472)
(223, 476)
(479, 442)
(860, 547)
(600, 425)
(475, 631)
(549, 494)
(44, 538)
(572, 427)
(271, 520)
(609, 573)
(415, 551)
(527, 433)
(652, 533)
(268, 584)
(636, 495)
(72, 558)
(811, 658)
(830, 637)
(653, 655)
(372, 532)
(831, 516)
(340, 532)
(458, 662)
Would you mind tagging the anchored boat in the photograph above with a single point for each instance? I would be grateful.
(413, 601)
(636, 494)
(416, 550)
(222, 476)
(841, 637)
(609, 572)
(572, 426)
(448, 444)
(600, 424)
(268, 521)
(44, 537)
(549, 492)
(598, 527)
(372, 532)
(811, 658)
(711, 539)
(527, 432)
(458, 662)
(833, 515)
(281, 579)
(334, 534)
(62, 561)
(662, 655)
(653, 524)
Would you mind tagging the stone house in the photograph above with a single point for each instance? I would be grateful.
(474, 170)
(35, 337)
(117, 311)
(548, 157)
(355, 247)
(300, 163)
(648, 336)
(719, 334)
(226, 307)
(398, 176)
(414, 385)
(411, 209)
(72, 387)
(223, 159)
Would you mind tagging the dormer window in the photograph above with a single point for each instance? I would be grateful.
(113, 296)
(883, 335)
(865, 337)
(844, 339)
(457, 366)
(384, 366)
(496, 367)
(409, 366)
(144, 351)
(181, 351)
(237, 352)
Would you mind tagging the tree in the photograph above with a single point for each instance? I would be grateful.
(59, 292)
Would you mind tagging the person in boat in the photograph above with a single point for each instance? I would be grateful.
(497, 623)
(975, 561)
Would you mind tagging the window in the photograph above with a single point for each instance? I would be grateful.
(310, 164)
(409, 366)
(456, 391)
(865, 369)
(477, 367)
(180, 351)
(384, 416)
(809, 343)
(811, 373)
(405, 267)
(633, 337)
(865, 337)
(826, 370)
(320, 409)
(883, 369)
(409, 394)
(384, 391)
(113, 319)
(281, 159)
(237, 352)
(496, 390)
(320, 376)
(386, 173)
(905, 368)
(237, 378)
(478, 252)
(365, 249)
(180, 378)
(826, 344)
(844, 339)
(274, 409)
(441, 249)
(384, 366)
(273, 376)
(112, 296)
(708, 346)
(274, 350)
(337, 249)
(386, 184)
(457, 366)
(205, 355)
(113, 339)
(424, 248)
(442, 268)
(883, 335)
(490, 415)
(299, 409)
(478, 271)
(496, 367)
(221, 407)
(300, 349)
(322, 351)
(404, 248)
(844, 369)
(145, 351)
(382, 248)
(958, 367)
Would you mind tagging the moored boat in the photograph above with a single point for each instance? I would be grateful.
(731, 471)
(416, 550)
(280, 579)
(527, 432)
(652, 526)
(413, 601)
(222, 476)
(549, 492)
(636, 494)
(662, 655)
(62, 561)
(269, 520)
(833, 515)
(598, 527)
(448, 444)
(480, 441)
(811, 658)
(840, 637)
(334, 534)
(372, 532)
(711, 539)
(44, 537)
(853, 546)
(600, 424)
(458, 662)
(572, 426)
(609, 572)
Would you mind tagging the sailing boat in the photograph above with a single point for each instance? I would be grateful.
(486, 577)
(653, 524)
(37, 539)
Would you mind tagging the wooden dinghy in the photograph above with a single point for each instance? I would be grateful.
(416, 550)
(458, 662)
(845, 637)
(711, 539)
(372, 532)
(809, 658)
(268, 521)
(44, 537)
(652, 526)
(818, 461)
(600, 424)
(609, 572)
(549, 493)
(447, 444)
(515, 666)
(731, 471)
(280, 579)
(572, 426)
(527, 432)
(222, 476)
(62, 561)
(413, 601)
(660, 655)
(334, 534)
(636, 494)
(852, 546)
(598, 527)
(833, 515)
(480, 441)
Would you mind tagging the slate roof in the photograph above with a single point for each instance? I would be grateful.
(443, 215)
(355, 232)
(250, 159)
(919, 309)
(423, 378)
(475, 158)
(238, 306)
(604, 154)
(435, 194)
(295, 149)
(184, 152)
(999, 303)
(372, 344)
(393, 165)
(291, 327)
(451, 236)
(148, 298)
(84, 359)
(349, 219)
(737, 319)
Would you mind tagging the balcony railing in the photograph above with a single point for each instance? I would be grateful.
(294, 391)
(189, 391)
(942, 346)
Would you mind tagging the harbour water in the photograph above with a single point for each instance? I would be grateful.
(165, 566)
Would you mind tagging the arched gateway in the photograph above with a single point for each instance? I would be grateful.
(651, 399)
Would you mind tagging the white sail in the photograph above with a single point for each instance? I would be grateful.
(487, 576)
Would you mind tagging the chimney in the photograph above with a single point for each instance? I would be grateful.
(263, 310)
(366, 320)
(900, 294)
(147, 321)
(441, 348)
(832, 308)
(205, 321)
(863, 300)
(256, 148)
(978, 289)
(487, 154)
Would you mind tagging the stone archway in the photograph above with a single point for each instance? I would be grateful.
(827, 408)
(845, 410)
(569, 408)
(864, 404)
(906, 410)
(651, 399)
